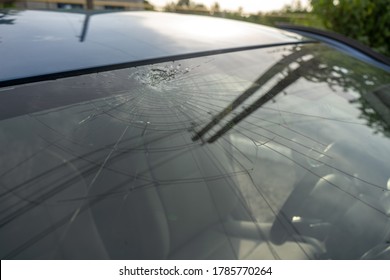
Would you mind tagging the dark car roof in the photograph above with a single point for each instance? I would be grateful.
(41, 42)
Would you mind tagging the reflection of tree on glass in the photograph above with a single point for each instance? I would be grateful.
(304, 63)
(5, 17)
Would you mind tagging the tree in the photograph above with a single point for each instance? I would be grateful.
(170, 7)
(366, 21)
(89, 4)
(7, 3)
(186, 7)
(148, 6)
(215, 9)
(295, 7)
(181, 3)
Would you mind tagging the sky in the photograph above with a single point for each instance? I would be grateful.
(249, 6)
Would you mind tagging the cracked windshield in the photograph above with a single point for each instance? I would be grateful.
(278, 153)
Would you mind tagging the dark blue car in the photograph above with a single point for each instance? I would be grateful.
(147, 135)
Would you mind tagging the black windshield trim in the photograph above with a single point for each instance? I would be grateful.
(91, 70)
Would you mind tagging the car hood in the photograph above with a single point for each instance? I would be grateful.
(34, 43)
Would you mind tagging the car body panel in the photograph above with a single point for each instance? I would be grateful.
(40, 42)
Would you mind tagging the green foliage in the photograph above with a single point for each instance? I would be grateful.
(367, 21)
(186, 7)
(295, 7)
(7, 4)
(148, 6)
(183, 3)
(272, 19)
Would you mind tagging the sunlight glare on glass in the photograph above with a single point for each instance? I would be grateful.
(212, 29)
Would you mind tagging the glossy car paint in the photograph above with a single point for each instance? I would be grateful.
(41, 42)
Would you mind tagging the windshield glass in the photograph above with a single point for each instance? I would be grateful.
(274, 153)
